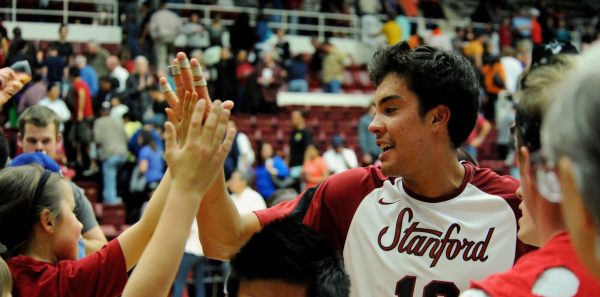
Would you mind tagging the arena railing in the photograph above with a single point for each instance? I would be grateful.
(313, 23)
(108, 14)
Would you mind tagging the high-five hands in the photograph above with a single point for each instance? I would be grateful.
(194, 165)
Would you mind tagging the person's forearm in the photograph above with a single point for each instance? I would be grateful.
(154, 269)
(221, 232)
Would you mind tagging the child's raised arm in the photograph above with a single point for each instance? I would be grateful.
(194, 167)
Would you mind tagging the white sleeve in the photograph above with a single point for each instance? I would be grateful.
(64, 114)
(245, 149)
(558, 281)
(474, 293)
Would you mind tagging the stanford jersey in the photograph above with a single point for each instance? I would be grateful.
(529, 277)
(396, 243)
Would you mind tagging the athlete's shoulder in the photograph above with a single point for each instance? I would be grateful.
(355, 180)
(491, 182)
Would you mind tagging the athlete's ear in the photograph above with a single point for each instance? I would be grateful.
(440, 115)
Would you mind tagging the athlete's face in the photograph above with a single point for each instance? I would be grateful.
(400, 131)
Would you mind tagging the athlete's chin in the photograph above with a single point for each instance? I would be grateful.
(388, 169)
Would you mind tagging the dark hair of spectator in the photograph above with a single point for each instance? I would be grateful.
(20, 207)
(74, 71)
(437, 78)
(147, 139)
(288, 251)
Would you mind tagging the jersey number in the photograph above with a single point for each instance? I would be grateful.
(406, 287)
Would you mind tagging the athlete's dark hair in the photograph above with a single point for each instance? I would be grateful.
(286, 250)
(437, 78)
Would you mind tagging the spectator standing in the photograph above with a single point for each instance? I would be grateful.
(505, 33)
(339, 158)
(314, 169)
(97, 57)
(216, 31)
(88, 74)
(269, 167)
(246, 155)
(54, 66)
(80, 133)
(367, 139)
(110, 137)
(243, 37)
(270, 77)
(333, 69)
(118, 72)
(164, 27)
(282, 46)
(512, 69)
(391, 30)
(34, 93)
(64, 47)
(226, 83)
(297, 72)
(246, 200)
(243, 71)
(562, 33)
(300, 138)
(56, 104)
(138, 86)
(197, 36)
(536, 28)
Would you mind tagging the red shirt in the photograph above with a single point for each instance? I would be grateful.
(519, 281)
(536, 32)
(88, 111)
(102, 273)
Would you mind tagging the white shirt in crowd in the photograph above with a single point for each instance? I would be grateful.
(340, 161)
(248, 201)
(60, 108)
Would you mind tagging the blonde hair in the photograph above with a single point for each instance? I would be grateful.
(5, 279)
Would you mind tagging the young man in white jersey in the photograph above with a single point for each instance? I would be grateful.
(429, 232)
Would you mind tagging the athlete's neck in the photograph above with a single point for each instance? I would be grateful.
(437, 181)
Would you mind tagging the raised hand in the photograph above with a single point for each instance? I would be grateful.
(195, 164)
(188, 77)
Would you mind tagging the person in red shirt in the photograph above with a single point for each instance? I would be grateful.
(536, 28)
(41, 244)
(554, 269)
(81, 131)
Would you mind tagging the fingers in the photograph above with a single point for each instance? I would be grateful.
(221, 128)
(186, 72)
(170, 138)
(211, 122)
(199, 80)
(228, 104)
(226, 145)
(173, 109)
(196, 126)
(177, 77)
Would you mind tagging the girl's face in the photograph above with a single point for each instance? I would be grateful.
(67, 227)
(266, 151)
